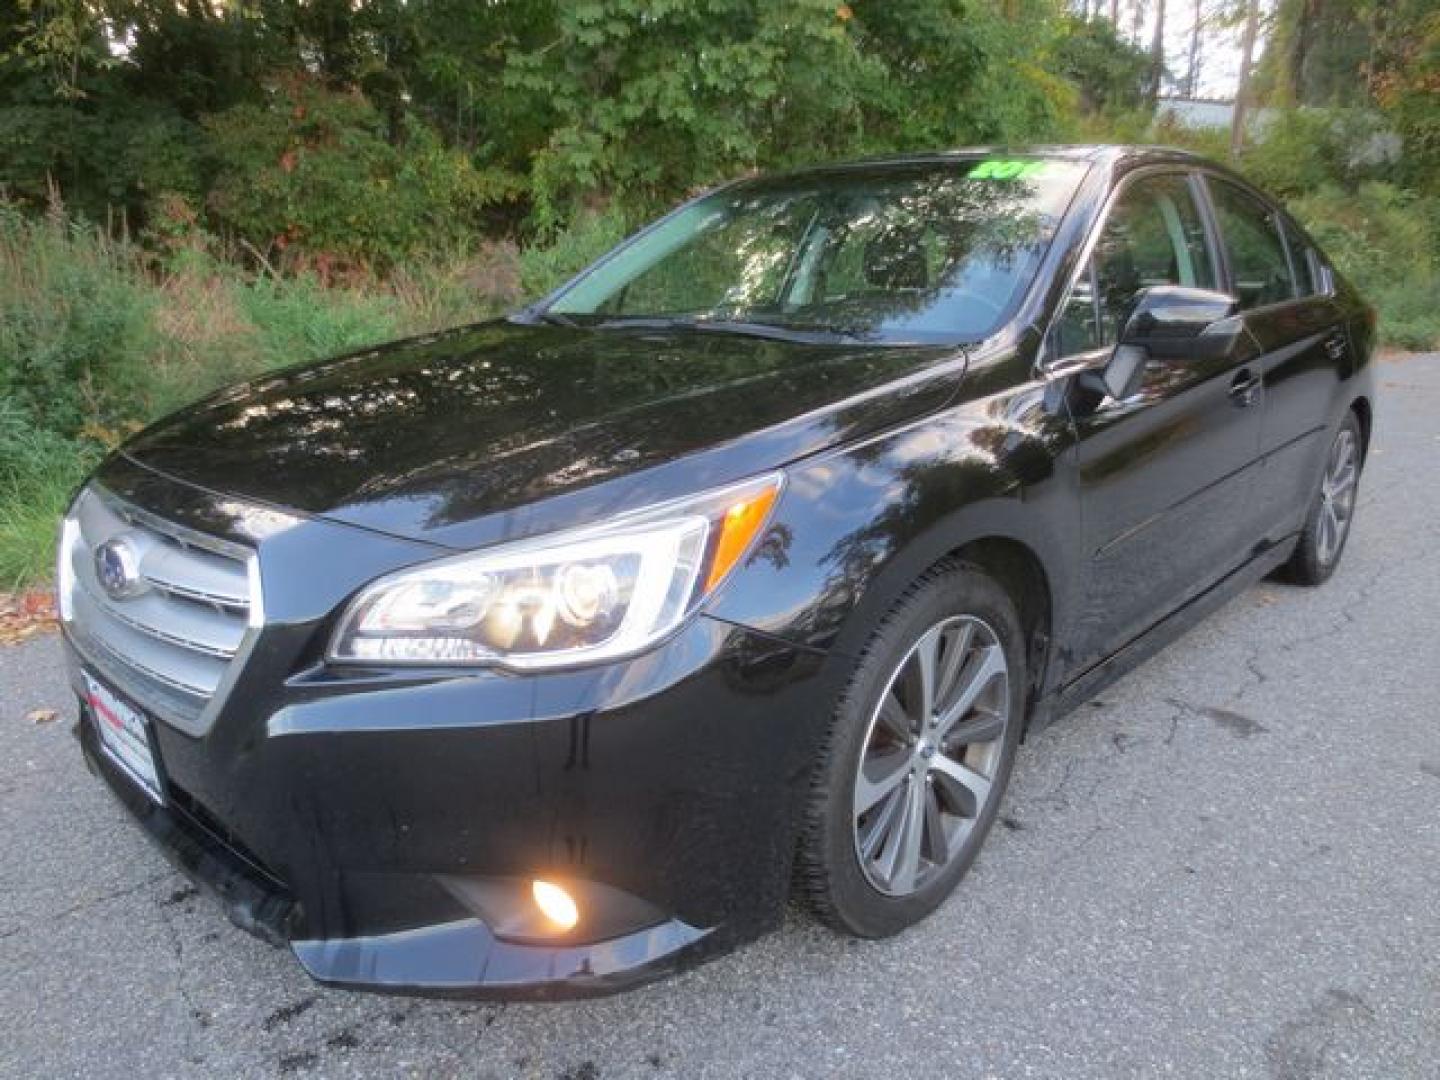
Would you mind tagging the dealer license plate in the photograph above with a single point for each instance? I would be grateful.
(124, 735)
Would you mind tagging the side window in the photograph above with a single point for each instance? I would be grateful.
(1307, 273)
(1320, 273)
(1153, 236)
(1311, 278)
(1252, 237)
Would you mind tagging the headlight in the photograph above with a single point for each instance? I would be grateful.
(571, 598)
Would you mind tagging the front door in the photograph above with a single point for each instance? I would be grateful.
(1166, 475)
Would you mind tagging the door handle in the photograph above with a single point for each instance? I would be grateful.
(1245, 388)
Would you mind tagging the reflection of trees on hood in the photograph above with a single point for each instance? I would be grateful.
(502, 414)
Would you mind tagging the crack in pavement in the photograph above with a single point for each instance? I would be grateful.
(84, 905)
(194, 1015)
(1345, 618)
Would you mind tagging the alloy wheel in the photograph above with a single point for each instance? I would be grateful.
(1337, 497)
(930, 755)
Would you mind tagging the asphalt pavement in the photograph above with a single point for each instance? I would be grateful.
(1226, 865)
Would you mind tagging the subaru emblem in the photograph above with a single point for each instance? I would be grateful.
(117, 567)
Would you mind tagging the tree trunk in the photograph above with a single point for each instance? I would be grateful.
(1377, 30)
(1115, 15)
(1157, 53)
(1192, 71)
(1302, 38)
(1242, 89)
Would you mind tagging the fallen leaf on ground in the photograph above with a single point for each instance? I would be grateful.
(41, 716)
(26, 614)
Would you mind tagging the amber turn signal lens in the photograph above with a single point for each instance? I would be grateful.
(555, 904)
(740, 525)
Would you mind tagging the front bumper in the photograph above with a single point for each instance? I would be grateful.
(364, 821)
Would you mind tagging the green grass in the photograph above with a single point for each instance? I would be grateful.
(38, 472)
(547, 266)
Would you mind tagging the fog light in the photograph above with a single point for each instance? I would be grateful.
(555, 903)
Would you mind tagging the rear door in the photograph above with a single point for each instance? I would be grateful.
(1166, 476)
(1284, 297)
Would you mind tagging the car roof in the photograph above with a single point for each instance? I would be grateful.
(1110, 155)
(1071, 152)
(1094, 153)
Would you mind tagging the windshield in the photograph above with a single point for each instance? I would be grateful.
(926, 253)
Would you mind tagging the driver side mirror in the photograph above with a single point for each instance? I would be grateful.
(1169, 324)
(1170, 320)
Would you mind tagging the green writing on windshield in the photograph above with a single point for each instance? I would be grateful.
(1001, 169)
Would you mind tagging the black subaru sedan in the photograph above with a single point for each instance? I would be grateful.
(551, 654)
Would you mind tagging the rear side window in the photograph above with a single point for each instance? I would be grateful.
(1321, 276)
(1310, 276)
(1251, 233)
(1154, 235)
(1305, 261)
(1305, 281)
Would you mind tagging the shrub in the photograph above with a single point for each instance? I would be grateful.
(1303, 150)
(317, 171)
(1108, 71)
(1387, 242)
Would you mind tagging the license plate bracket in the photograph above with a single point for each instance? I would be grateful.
(124, 734)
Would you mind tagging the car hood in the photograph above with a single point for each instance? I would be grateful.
(502, 430)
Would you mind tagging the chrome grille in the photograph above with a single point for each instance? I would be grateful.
(171, 635)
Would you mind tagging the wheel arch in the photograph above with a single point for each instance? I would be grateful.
(1021, 573)
(1002, 539)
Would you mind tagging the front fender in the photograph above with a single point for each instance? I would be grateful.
(857, 525)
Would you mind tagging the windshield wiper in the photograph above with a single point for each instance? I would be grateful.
(725, 326)
(555, 318)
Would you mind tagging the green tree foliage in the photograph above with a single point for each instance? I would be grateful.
(1406, 84)
(649, 99)
(284, 122)
(1109, 72)
(1315, 57)
(955, 72)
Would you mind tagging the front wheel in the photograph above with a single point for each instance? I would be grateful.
(910, 777)
(1328, 526)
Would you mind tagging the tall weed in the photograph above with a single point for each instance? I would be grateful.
(297, 319)
(75, 323)
(38, 472)
(551, 263)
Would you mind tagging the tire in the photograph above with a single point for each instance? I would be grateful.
(854, 867)
(1332, 510)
